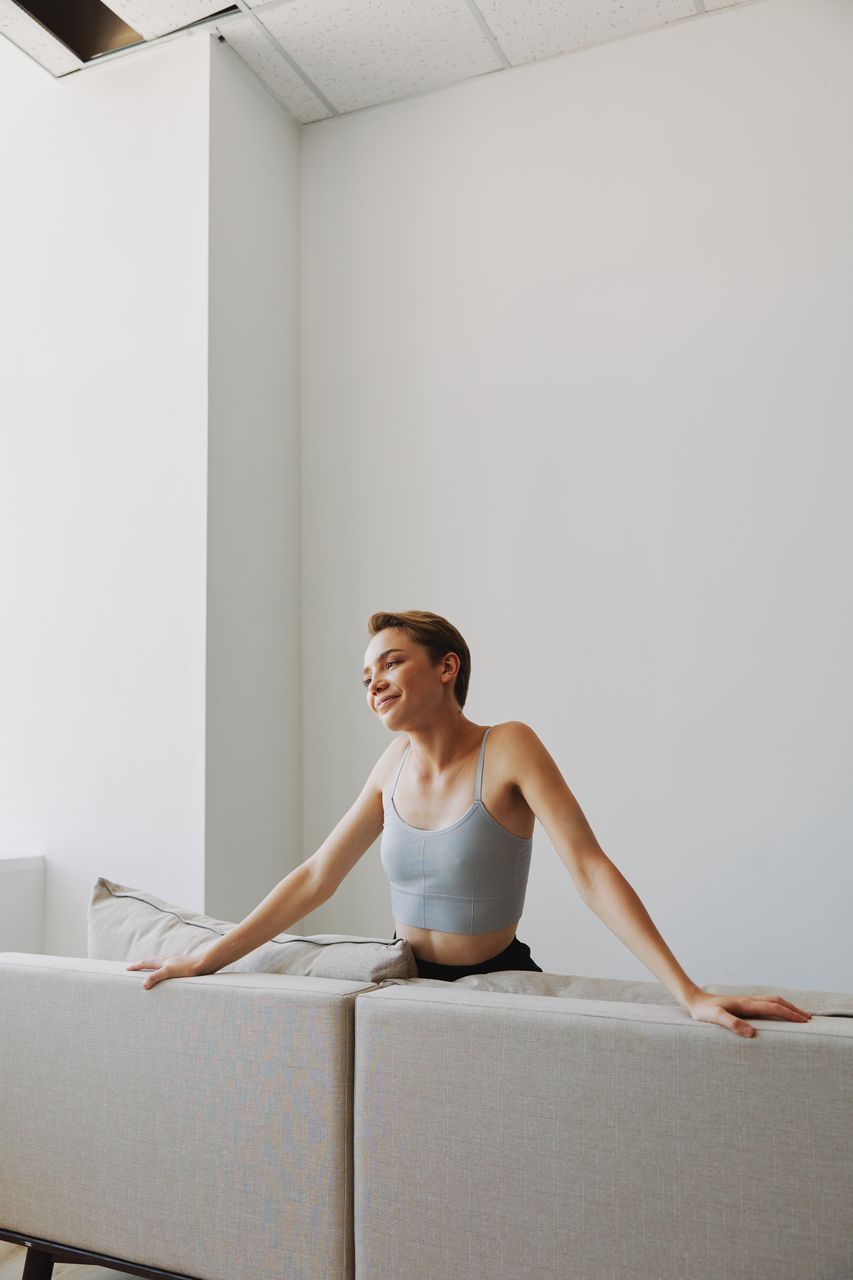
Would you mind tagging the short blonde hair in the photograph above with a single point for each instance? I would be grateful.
(435, 634)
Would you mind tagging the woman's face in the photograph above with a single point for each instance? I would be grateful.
(401, 684)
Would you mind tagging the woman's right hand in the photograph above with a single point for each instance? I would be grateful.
(168, 967)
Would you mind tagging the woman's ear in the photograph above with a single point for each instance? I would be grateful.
(450, 664)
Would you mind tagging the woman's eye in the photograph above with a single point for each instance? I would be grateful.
(389, 663)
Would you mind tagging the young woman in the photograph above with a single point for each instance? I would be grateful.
(456, 819)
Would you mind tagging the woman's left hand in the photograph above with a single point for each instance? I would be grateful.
(708, 1007)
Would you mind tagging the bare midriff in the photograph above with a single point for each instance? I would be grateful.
(437, 947)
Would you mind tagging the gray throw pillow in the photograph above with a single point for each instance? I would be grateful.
(130, 924)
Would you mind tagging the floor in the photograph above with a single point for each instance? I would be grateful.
(12, 1267)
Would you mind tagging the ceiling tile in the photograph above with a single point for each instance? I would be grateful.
(363, 52)
(249, 42)
(530, 29)
(31, 36)
(158, 17)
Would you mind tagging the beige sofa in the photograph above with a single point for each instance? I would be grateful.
(517, 1126)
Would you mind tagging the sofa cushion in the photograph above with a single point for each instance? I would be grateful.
(131, 924)
(521, 982)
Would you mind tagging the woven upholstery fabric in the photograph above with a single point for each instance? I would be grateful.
(202, 1126)
(521, 982)
(130, 924)
(550, 1138)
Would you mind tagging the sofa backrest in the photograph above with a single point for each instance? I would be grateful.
(202, 1126)
(501, 1134)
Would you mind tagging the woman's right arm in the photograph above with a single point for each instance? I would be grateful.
(305, 889)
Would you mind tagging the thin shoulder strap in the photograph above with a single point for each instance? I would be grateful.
(399, 767)
(478, 788)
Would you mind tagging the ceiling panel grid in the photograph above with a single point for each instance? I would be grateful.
(322, 58)
(532, 29)
(363, 52)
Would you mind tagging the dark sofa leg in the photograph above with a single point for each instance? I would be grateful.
(38, 1265)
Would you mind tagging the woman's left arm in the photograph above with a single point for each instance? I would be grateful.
(606, 892)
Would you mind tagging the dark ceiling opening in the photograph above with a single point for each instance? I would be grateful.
(87, 27)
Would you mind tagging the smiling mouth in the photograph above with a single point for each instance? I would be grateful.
(387, 701)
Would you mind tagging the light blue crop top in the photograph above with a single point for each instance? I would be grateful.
(470, 877)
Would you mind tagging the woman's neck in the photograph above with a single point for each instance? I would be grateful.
(438, 748)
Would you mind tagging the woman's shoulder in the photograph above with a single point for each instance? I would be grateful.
(386, 766)
(514, 731)
(389, 761)
(512, 743)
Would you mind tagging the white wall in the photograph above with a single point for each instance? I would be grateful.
(575, 374)
(103, 335)
(253, 775)
(150, 637)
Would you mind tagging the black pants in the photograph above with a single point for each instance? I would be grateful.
(515, 956)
